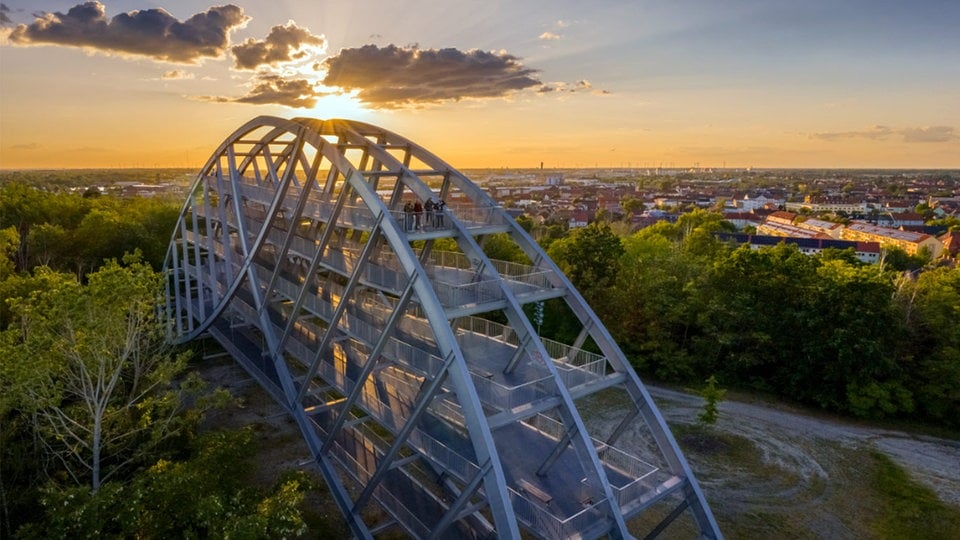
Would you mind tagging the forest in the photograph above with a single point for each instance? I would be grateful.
(101, 422)
(827, 331)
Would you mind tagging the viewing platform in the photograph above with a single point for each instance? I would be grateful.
(404, 351)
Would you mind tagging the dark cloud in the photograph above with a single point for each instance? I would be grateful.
(4, 18)
(270, 89)
(393, 77)
(153, 33)
(283, 44)
(910, 134)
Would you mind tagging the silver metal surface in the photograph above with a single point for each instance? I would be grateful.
(375, 328)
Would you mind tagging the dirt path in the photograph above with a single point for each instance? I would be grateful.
(792, 438)
(810, 475)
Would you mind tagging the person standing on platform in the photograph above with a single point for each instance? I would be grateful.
(417, 214)
(438, 213)
(407, 216)
(428, 208)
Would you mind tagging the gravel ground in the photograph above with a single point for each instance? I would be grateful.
(793, 439)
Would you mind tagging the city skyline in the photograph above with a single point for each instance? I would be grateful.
(489, 84)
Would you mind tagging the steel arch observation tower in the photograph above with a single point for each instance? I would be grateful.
(374, 327)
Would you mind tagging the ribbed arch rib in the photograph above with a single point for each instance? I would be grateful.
(298, 250)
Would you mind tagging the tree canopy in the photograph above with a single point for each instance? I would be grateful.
(823, 330)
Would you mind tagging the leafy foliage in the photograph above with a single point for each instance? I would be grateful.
(826, 330)
(208, 495)
(590, 256)
(89, 365)
(712, 395)
(501, 247)
(69, 232)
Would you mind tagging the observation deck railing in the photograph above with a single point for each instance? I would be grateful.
(540, 518)
(634, 478)
(359, 216)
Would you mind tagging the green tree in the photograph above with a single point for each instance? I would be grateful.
(590, 257)
(9, 245)
(632, 205)
(49, 245)
(653, 314)
(89, 365)
(894, 258)
(931, 308)
(552, 230)
(952, 223)
(526, 222)
(500, 246)
(749, 306)
(24, 207)
(209, 495)
(857, 366)
(924, 210)
(712, 395)
(68, 231)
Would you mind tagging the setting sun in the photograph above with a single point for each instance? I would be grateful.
(344, 106)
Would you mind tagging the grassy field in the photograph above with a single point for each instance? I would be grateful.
(908, 509)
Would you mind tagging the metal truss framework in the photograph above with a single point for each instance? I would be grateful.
(294, 251)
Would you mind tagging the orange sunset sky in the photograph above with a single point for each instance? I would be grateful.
(774, 83)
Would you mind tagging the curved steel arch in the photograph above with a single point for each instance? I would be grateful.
(294, 251)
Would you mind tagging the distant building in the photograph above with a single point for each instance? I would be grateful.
(829, 228)
(902, 219)
(896, 207)
(911, 242)
(951, 243)
(748, 204)
(785, 218)
(579, 218)
(742, 220)
(135, 189)
(867, 252)
(784, 230)
(829, 205)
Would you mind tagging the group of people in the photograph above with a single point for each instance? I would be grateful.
(413, 215)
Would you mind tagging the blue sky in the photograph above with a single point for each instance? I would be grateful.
(490, 84)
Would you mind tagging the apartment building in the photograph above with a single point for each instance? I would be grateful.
(911, 242)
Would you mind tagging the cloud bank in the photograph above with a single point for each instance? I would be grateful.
(272, 89)
(930, 134)
(396, 77)
(285, 43)
(152, 33)
(384, 77)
